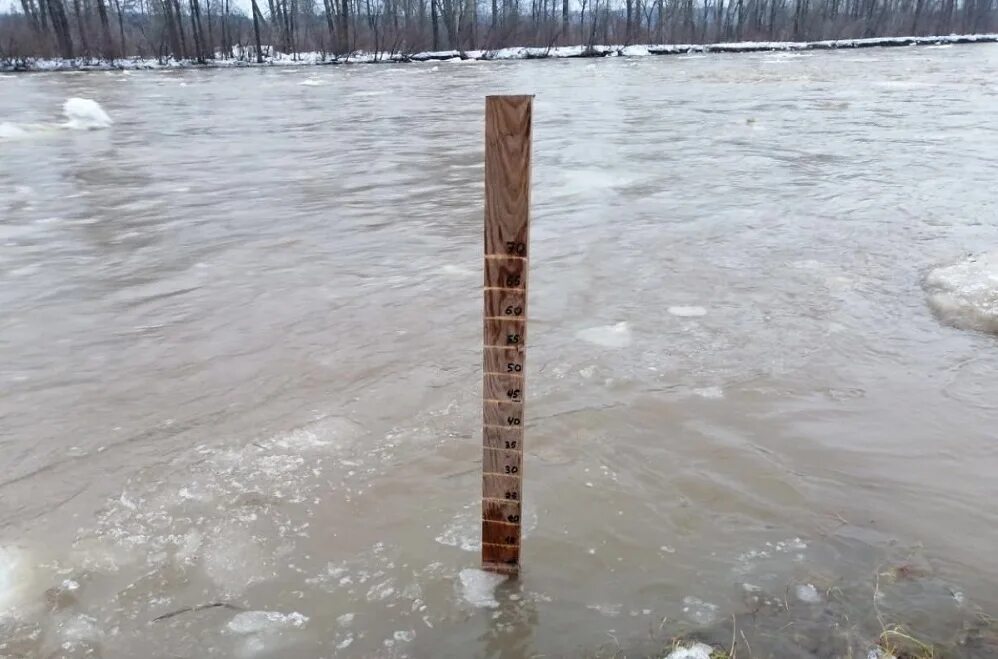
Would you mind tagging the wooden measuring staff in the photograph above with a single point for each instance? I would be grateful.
(507, 239)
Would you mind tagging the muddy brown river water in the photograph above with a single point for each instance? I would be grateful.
(240, 359)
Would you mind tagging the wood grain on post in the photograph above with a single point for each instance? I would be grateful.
(507, 244)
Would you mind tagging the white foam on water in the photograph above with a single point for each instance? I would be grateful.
(311, 82)
(692, 651)
(255, 622)
(85, 114)
(478, 587)
(965, 294)
(607, 336)
(688, 312)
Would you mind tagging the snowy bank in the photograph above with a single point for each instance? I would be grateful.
(243, 58)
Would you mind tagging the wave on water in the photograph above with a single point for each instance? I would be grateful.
(965, 294)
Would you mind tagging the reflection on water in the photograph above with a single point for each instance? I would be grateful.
(239, 356)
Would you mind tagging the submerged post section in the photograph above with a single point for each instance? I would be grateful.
(507, 240)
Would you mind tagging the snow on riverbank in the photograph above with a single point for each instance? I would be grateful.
(312, 58)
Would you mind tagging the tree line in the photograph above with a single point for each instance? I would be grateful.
(202, 30)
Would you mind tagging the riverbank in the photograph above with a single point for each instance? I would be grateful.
(244, 58)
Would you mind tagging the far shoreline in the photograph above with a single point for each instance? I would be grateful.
(246, 58)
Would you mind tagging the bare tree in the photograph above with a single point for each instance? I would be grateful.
(257, 19)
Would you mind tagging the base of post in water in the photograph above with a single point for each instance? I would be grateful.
(501, 558)
(501, 568)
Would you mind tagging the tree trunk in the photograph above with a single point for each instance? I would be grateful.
(60, 25)
(919, 5)
(436, 26)
(107, 47)
(345, 25)
(210, 44)
(81, 26)
(660, 26)
(180, 28)
(171, 28)
(196, 31)
(256, 32)
(43, 13)
(226, 47)
(629, 4)
(471, 9)
(450, 24)
(32, 14)
(122, 46)
(327, 6)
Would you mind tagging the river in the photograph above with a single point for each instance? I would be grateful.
(240, 355)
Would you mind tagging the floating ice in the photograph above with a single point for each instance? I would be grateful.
(254, 622)
(84, 114)
(79, 629)
(478, 587)
(699, 611)
(712, 393)
(608, 336)
(608, 610)
(879, 653)
(456, 270)
(692, 651)
(688, 312)
(231, 559)
(965, 294)
(13, 577)
(9, 131)
(462, 531)
(808, 593)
